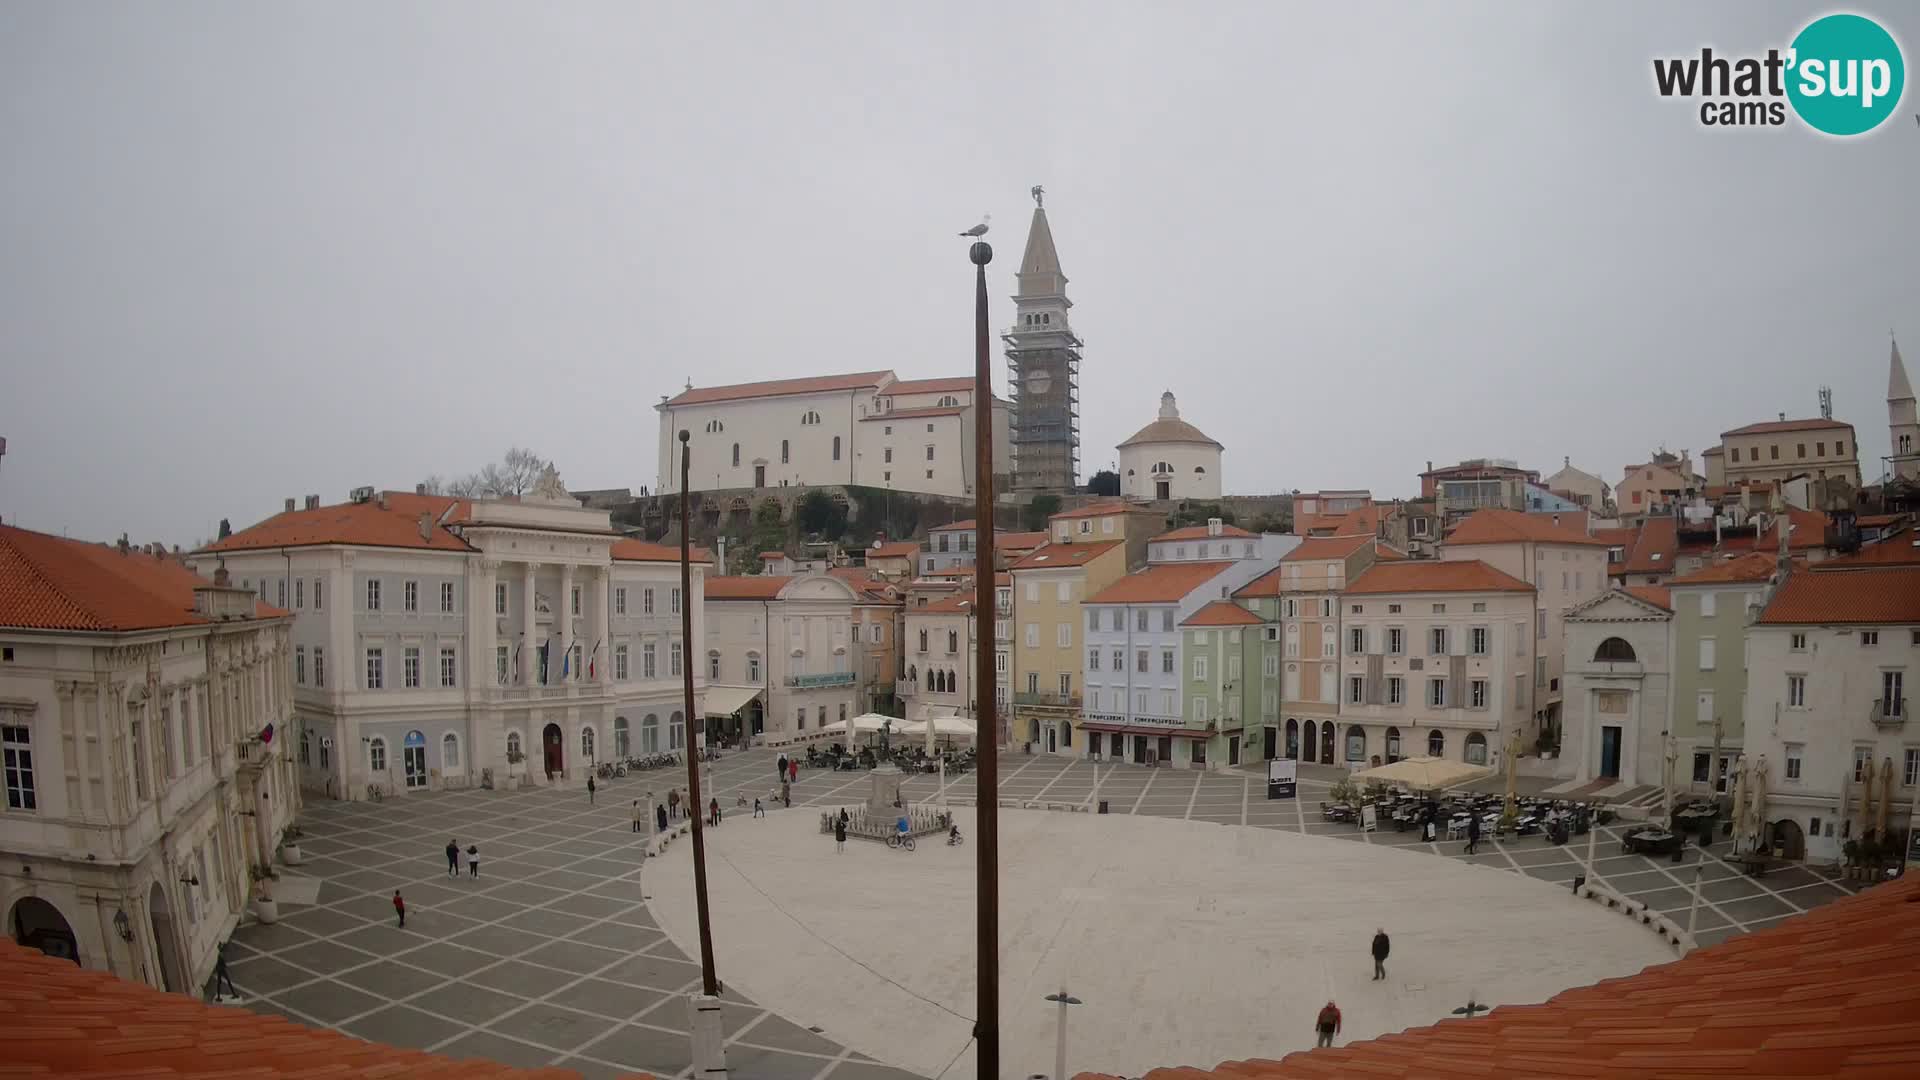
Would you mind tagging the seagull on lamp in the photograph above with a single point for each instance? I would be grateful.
(980, 229)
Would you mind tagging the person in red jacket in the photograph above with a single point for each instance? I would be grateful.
(399, 907)
(1328, 1025)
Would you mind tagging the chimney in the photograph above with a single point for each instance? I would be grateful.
(383, 500)
(289, 508)
(721, 556)
(1429, 464)
(419, 489)
(1566, 460)
(313, 502)
(1213, 526)
(122, 544)
(1783, 418)
(426, 526)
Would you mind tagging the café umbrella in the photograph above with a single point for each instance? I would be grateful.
(1886, 797)
(1739, 813)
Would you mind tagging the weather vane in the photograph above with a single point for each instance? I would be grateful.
(1038, 196)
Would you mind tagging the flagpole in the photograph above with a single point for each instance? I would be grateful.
(986, 1026)
(708, 980)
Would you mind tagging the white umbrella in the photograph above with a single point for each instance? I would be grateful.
(1757, 805)
(1739, 815)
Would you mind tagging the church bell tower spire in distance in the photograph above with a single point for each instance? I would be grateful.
(1043, 367)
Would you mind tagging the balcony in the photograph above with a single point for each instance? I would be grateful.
(1888, 713)
(1047, 700)
(905, 688)
(814, 682)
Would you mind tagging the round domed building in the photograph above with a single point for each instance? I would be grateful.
(1170, 459)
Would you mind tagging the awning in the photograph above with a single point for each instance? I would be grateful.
(1123, 729)
(1424, 773)
(727, 700)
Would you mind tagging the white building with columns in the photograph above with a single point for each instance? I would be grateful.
(143, 715)
(446, 643)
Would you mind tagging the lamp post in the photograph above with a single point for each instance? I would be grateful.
(1063, 999)
(986, 1027)
(709, 1052)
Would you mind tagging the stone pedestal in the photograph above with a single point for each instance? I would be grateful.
(709, 1038)
(885, 802)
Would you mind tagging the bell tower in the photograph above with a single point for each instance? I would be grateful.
(1043, 368)
(1903, 429)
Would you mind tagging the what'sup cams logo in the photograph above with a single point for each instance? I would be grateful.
(1842, 75)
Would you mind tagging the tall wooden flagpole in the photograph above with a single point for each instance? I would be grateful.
(987, 1025)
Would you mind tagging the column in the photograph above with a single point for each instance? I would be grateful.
(483, 632)
(603, 625)
(563, 616)
(526, 643)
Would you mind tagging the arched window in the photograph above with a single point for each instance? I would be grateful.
(953, 641)
(1046, 318)
(786, 454)
(1393, 745)
(650, 734)
(1436, 744)
(621, 737)
(1356, 743)
(1476, 749)
(1311, 731)
(713, 664)
(1615, 649)
(586, 743)
(1293, 739)
(736, 455)
(836, 448)
(449, 751)
(1066, 733)
(913, 674)
(513, 745)
(377, 755)
(676, 731)
(753, 667)
(1198, 469)
(923, 639)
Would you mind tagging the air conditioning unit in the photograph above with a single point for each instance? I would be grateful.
(362, 494)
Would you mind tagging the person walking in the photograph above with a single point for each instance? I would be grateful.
(660, 815)
(758, 810)
(840, 832)
(786, 794)
(1328, 1023)
(1380, 947)
(589, 789)
(453, 859)
(400, 907)
(673, 804)
(780, 768)
(1473, 831)
(221, 976)
(713, 811)
(473, 859)
(793, 771)
(636, 815)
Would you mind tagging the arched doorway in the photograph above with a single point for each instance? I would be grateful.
(37, 924)
(1312, 743)
(1326, 743)
(621, 747)
(553, 750)
(1476, 749)
(1356, 743)
(413, 755)
(1066, 734)
(1293, 739)
(1788, 839)
(1033, 730)
(1393, 745)
(171, 977)
(1053, 739)
(676, 731)
(1436, 743)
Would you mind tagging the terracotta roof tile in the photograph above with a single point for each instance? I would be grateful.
(819, 384)
(1169, 430)
(1432, 575)
(1654, 547)
(957, 385)
(968, 524)
(1267, 584)
(1018, 541)
(1360, 519)
(1826, 994)
(1751, 567)
(756, 587)
(630, 550)
(1511, 526)
(52, 583)
(1807, 531)
(59, 1019)
(1327, 547)
(1054, 556)
(898, 549)
(1161, 583)
(1098, 509)
(1199, 532)
(1899, 548)
(1652, 594)
(1222, 613)
(1878, 596)
(364, 524)
(1769, 426)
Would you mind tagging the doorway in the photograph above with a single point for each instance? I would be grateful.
(550, 745)
(1270, 739)
(1116, 745)
(1293, 739)
(1139, 749)
(1166, 748)
(1788, 840)
(37, 924)
(413, 754)
(759, 476)
(1233, 749)
(1052, 740)
(1326, 743)
(1162, 489)
(1610, 752)
(171, 980)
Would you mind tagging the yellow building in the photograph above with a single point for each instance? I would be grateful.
(1049, 632)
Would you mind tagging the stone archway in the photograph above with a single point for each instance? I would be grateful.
(1788, 839)
(166, 940)
(37, 924)
(553, 750)
(1310, 742)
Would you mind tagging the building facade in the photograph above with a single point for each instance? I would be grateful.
(1476, 484)
(1712, 609)
(1170, 459)
(144, 715)
(1619, 686)
(787, 642)
(1659, 485)
(446, 643)
(1582, 487)
(1776, 450)
(1046, 589)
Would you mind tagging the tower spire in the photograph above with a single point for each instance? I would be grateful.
(1043, 366)
(1898, 388)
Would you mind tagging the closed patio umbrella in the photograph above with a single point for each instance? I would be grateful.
(1739, 815)
(1865, 821)
(1886, 797)
(1756, 821)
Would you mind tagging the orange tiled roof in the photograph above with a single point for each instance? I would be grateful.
(1654, 548)
(361, 524)
(1327, 547)
(1387, 552)
(1161, 583)
(898, 549)
(1267, 584)
(59, 1019)
(1360, 519)
(1868, 521)
(1097, 509)
(1885, 595)
(1018, 541)
(1431, 575)
(1054, 556)
(967, 524)
(757, 587)
(1809, 530)
(1652, 594)
(1222, 613)
(818, 384)
(1787, 425)
(1199, 532)
(914, 414)
(958, 604)
(1829, 993)
(631, 550)
(1751, 567)
(51, 583)
(1510, 526)
(956, 385)
(1899, 548)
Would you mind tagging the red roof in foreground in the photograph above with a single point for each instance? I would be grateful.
(1881, 596)
(59, 1019)
(52, 583)
(1827, 994)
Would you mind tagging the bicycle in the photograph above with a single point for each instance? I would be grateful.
(374, 794)
(900, 842)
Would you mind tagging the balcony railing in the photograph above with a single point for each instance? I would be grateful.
(831, 678)
(905, 688)
(1047, 700)
(1889, 712)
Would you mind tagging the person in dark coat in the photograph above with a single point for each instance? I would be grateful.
(453, 859)
(660, 815)
(1328, 1023)
(400, 907)
(1380, 947)
(1473, 831)
(589, 791)
(473, 859)
(221, 977)
(780, 769)
(840, 832)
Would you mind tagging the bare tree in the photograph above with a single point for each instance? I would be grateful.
(434, 484)
(515, 474)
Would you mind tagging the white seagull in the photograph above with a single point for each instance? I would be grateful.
(980, 229)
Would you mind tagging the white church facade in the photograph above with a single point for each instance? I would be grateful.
(1170, 459)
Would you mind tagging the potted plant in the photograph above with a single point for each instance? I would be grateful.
(264, 909)
(290, 846)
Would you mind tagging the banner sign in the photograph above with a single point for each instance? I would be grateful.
(1282, 778)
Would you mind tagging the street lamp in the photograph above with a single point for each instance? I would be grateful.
(121, 925)
(1063, 999)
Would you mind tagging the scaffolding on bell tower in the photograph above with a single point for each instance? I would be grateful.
(1043, 369)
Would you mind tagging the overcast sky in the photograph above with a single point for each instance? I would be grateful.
(249, 251)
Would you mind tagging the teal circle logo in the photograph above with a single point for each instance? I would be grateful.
(1845, 74)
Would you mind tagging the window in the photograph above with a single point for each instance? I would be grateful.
(836, 448)
(1479, 607)
(620, 600)
(1706, 604)
(450, 751)
(1479, 639)
(16, 740)
(929, 449)
(376, 669)
(448, 668)
(377, 755)
(1290, 609)
(1706, 654)
(1032, 630)
(786, 454)
(1093, 659)
(1140, 621)
(675, 607)
(1396, 641)
(586, 743)
(923, 639)
(1773, 452)
(282, 584)
(1166, 662)
(1393, 609)
(1732, 452)
(1796, 691)
(300, 665)
(446, 596)
(1166, 620)
(573, 600)
(753, 667)
(1436, 744)
(1119, 660)
(500, 598)
(1539, 672)
(1910, 767)
(1357, 639)
(649, 663)
(1199, 668)
(1793, 761)
(410, 599)
(713, 664)
(1439, 609)
(673, 659)
(1540, 624)
(1862, 762)
(1893, 700)
(1477, 688)
(1869, 638)
(1201, 711)
(299, 592)
(1140, 660)
(1356, 689)
(1840, 447)
(1093, 620)
(1396, 690)
(1033, 682)
(319, 665)
(373, 594)
(887, 454)
(1066, 684)
(1797, 642)
(1437, 641)
(410, 667)
(1437, 693)
(646, 601)
(1062, 634)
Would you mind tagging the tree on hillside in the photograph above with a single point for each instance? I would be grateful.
(818, 515)
(769, 530)
(514, 474)
(1104, 482)
(1039, 510)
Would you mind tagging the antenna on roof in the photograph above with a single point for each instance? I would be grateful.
(1826, 403)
